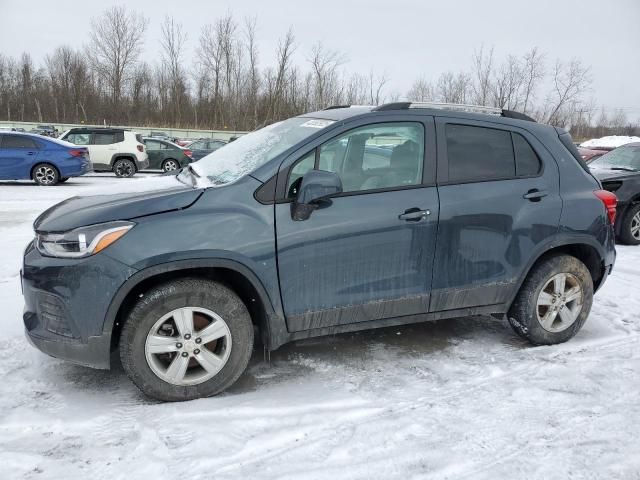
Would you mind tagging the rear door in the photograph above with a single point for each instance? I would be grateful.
(499, 200)
(102, 149)
(156, 152)
(17, 155)
(367, 253)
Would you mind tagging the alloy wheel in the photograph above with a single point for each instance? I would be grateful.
(559, 302)
(45, 175)
(124, 169)
(635, 226)
(188, 346)
(170, 165)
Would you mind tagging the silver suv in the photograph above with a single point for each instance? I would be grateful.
(111, 149)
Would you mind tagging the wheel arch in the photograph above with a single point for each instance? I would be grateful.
(125, 156)
(582, 249)
(232, 274)
(43, 162)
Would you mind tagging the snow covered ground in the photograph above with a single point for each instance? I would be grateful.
(452, 399)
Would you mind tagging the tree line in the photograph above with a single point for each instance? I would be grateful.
(108, 81)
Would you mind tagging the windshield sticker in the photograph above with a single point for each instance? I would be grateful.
(317, 123)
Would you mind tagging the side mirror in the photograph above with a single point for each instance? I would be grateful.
(316, 186)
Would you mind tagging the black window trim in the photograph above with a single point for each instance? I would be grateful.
(429, 152)
(443, 158)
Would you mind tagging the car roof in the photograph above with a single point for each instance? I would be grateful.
(343, 112)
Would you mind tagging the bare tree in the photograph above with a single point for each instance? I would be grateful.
(421, 91)
(482, 68)
(115, 44)
(569, 82)
(172, 43)
(324, 65)
(533, 73)
(376, 84)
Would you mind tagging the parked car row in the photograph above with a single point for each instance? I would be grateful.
(117, 150)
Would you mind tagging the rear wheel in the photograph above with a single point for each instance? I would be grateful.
(124, 168)
(630, 226)
(45, 174)
(554, 301)
(170, 165)
(186, 339)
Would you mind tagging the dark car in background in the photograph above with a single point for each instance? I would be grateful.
(619, 172)
(334, 221)
(204, 146)
(46, 161)
(166, 156)
(45, 130)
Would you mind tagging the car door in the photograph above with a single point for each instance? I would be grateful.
(102, 149)
(367, 253)
(155, 152)
(198, 149)
(499, 200)
(18, 154)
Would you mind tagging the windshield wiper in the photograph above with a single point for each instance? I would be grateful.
(626, 169)
(193, 176)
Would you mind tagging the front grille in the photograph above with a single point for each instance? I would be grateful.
(53, 315)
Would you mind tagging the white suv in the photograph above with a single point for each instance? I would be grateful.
(111, 149)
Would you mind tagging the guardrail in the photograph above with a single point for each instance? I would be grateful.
(171, 132)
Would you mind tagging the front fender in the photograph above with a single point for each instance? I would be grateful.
(273, 313)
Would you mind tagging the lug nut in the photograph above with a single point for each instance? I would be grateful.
(185, 354)
(187, 336)
(198, 340)
(196, 351)
(178, 345)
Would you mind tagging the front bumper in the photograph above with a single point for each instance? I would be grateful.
(95, 353)
(66, 301)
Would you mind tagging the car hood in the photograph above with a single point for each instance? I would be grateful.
(81, 211)
(608, 174)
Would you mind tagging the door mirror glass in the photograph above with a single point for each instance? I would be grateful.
(316, 186)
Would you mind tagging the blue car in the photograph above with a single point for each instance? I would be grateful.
(46, 161)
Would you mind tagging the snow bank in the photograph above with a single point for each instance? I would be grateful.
(612, 141)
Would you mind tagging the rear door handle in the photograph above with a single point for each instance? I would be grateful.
(414, 214)
(535, 195)
(30, 153)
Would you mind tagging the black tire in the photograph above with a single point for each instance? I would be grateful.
(165, 298)
(170, 165)
(63, 179)
(629, 233)
(524, 314)
(124, 168)
(45, 174)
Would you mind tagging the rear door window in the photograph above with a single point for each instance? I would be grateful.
(16, 141)
(103, 138)
(478, 154)
(527, 160)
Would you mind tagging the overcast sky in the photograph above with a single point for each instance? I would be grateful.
(405, 39)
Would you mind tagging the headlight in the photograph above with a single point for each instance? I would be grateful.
(81, 242)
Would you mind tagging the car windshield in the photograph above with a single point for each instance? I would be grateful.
(254, 149)
(626, 157)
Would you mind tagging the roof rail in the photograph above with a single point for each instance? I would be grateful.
(333, 107)
(456, 107)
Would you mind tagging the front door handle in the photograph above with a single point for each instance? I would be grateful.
(535, 195)
(414, 214)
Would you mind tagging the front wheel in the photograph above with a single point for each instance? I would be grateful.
(124, 168)
(186, 339)
(45, 174)
(170, 165)
(630, 226)
(554, 301)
